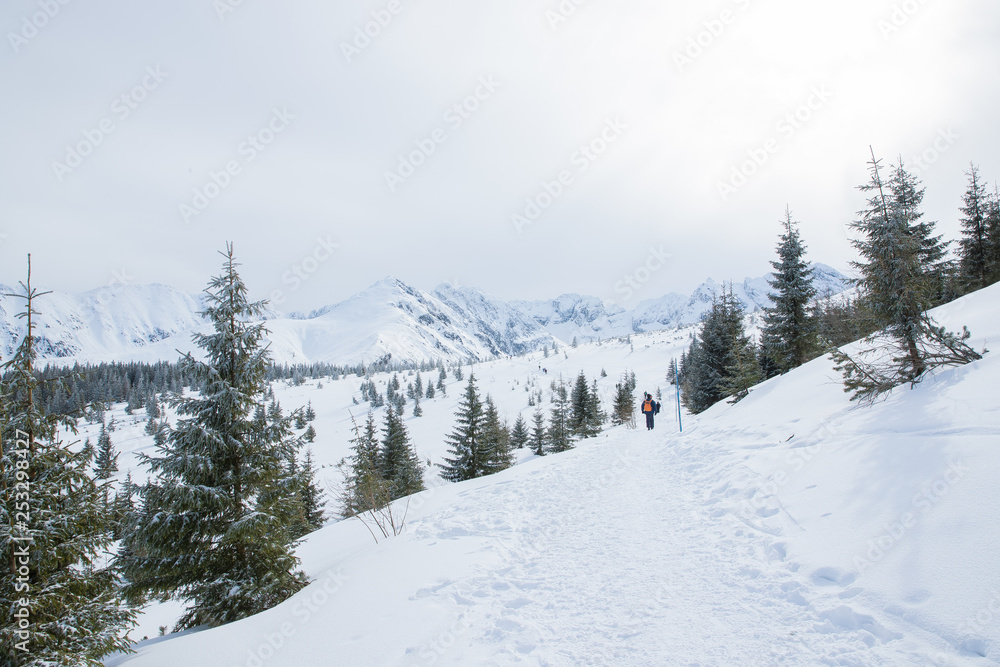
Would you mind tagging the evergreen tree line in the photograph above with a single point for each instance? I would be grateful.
(483, 443)
(87, 389)
(379, 472)
(906, 269)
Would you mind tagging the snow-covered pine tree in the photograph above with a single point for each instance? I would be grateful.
(906, 197)
(595, 414)
(429, 394)
(364, 488)
(623, 409)
(711, 354)
(519, 433)
(497, 452)
(153, 407)
(895, 292)
(559, 436)
(973, 244)
(537, 439)
(398, 464)
(221, 488)
(892, 288)
(789, 333)
(467, 458)
(993, 239)
(579, 404)
(311, 496)
(63, 606)
(106, 460)
(744, 372)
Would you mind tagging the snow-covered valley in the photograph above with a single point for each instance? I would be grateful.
(794, 527)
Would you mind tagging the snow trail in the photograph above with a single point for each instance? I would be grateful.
(620, 558)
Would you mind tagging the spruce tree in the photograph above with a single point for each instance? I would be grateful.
(712, 355)
(893, 289)
(537, 440)
(519, 434)
(745, 371)
(311, 496)
(106, 461)
(398, 464)
(623, 408)
(64, 606)
(364, 487)
(993, 239)
(559, 436)
(497, 452)
(895, 292)
(905, 200)
(467, 460)
(594, 414)
(789, 333)
(221, 488)
(973, 246)
(579, 405)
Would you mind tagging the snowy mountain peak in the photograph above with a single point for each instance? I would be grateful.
(389, 318)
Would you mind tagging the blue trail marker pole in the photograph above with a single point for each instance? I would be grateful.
(677, 385)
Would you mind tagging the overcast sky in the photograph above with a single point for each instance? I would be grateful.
(139, 137)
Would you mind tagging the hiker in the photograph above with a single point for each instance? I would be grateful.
(650, 408)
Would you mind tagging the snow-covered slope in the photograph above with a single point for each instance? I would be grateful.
(794, 528)
(104, 323)
(152, 322)
(393, 319)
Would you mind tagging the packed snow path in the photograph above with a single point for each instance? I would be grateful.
(633, 567)
(624, 551)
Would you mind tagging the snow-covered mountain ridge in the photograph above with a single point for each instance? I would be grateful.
(390, 319)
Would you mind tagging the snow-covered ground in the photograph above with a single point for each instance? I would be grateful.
(792, 528)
